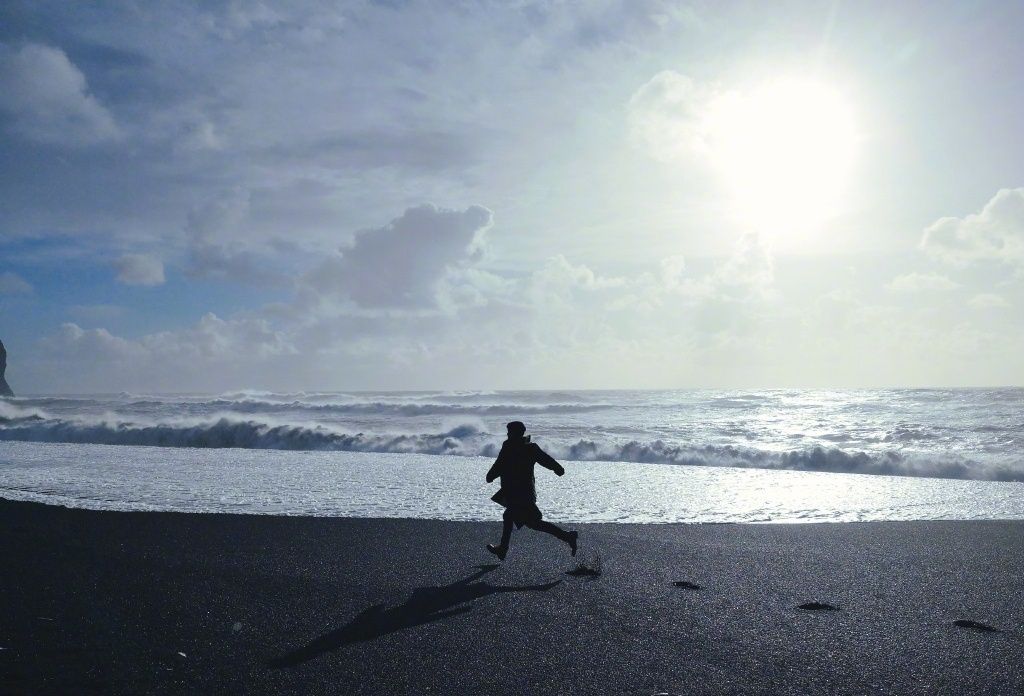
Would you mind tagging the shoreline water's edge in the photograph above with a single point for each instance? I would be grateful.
(497, 517)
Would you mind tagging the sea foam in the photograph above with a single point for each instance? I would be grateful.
(360, 484)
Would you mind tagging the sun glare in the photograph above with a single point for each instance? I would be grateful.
(785, 150)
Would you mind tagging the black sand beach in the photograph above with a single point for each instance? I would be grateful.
(100, 602)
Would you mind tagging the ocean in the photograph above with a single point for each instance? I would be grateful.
(631, 456)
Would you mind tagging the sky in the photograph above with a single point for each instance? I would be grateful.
(510, 195)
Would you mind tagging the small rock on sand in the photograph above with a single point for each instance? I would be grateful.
(976, 626)
(686, 585)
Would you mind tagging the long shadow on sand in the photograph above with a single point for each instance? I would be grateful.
(424, 605)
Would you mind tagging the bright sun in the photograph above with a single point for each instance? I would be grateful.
(785, 150)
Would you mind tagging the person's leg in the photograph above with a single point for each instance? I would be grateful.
(553, 530)
(506, 530)
(569, 538)
(506, 535)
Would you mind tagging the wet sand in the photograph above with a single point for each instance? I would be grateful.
(140, 602)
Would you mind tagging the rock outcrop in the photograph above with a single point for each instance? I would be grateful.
(5, 389)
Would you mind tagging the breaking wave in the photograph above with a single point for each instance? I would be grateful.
(227, 432)
(472, 438)
(384, 408)
(249, 405)
(828, 459)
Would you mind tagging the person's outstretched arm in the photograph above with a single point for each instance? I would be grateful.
(547, 461)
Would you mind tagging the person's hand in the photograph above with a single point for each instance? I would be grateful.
(560, 471)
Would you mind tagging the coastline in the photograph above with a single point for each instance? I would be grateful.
(119, 602)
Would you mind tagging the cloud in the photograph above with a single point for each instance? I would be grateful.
(601, 23)
(745, 277)
(139, 269)
(994, 234)
(672, 271)
(213, 353)
(211, 338)
(218, 244)
(401, 265)
(748, 274)
(13, 284)
(422, 151)
(561, 285)
(73, 343)
(216, 338)
(467, 286)
(919, 282)
(198, 134)
(667, 116)
(987, 300)
(238, 99)
(47, 98)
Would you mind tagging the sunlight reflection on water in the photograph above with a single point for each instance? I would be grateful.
(360, 484)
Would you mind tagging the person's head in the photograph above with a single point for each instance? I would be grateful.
(516, 429)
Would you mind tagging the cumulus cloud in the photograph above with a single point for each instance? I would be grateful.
(401, 265)
(214, 337)
(469, 286)
(73, 343)
(48, 100)
(214, 352)
(211, 337)
(13, 284)
(139, 269)
(561, 285)
(559, 272)
(745, 277)
(920, 282)
(667, 116)
(747, 274)
(994, 234)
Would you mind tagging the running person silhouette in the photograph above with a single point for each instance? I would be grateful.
(518, 492)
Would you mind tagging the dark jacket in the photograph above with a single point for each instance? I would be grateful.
(514, 466)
